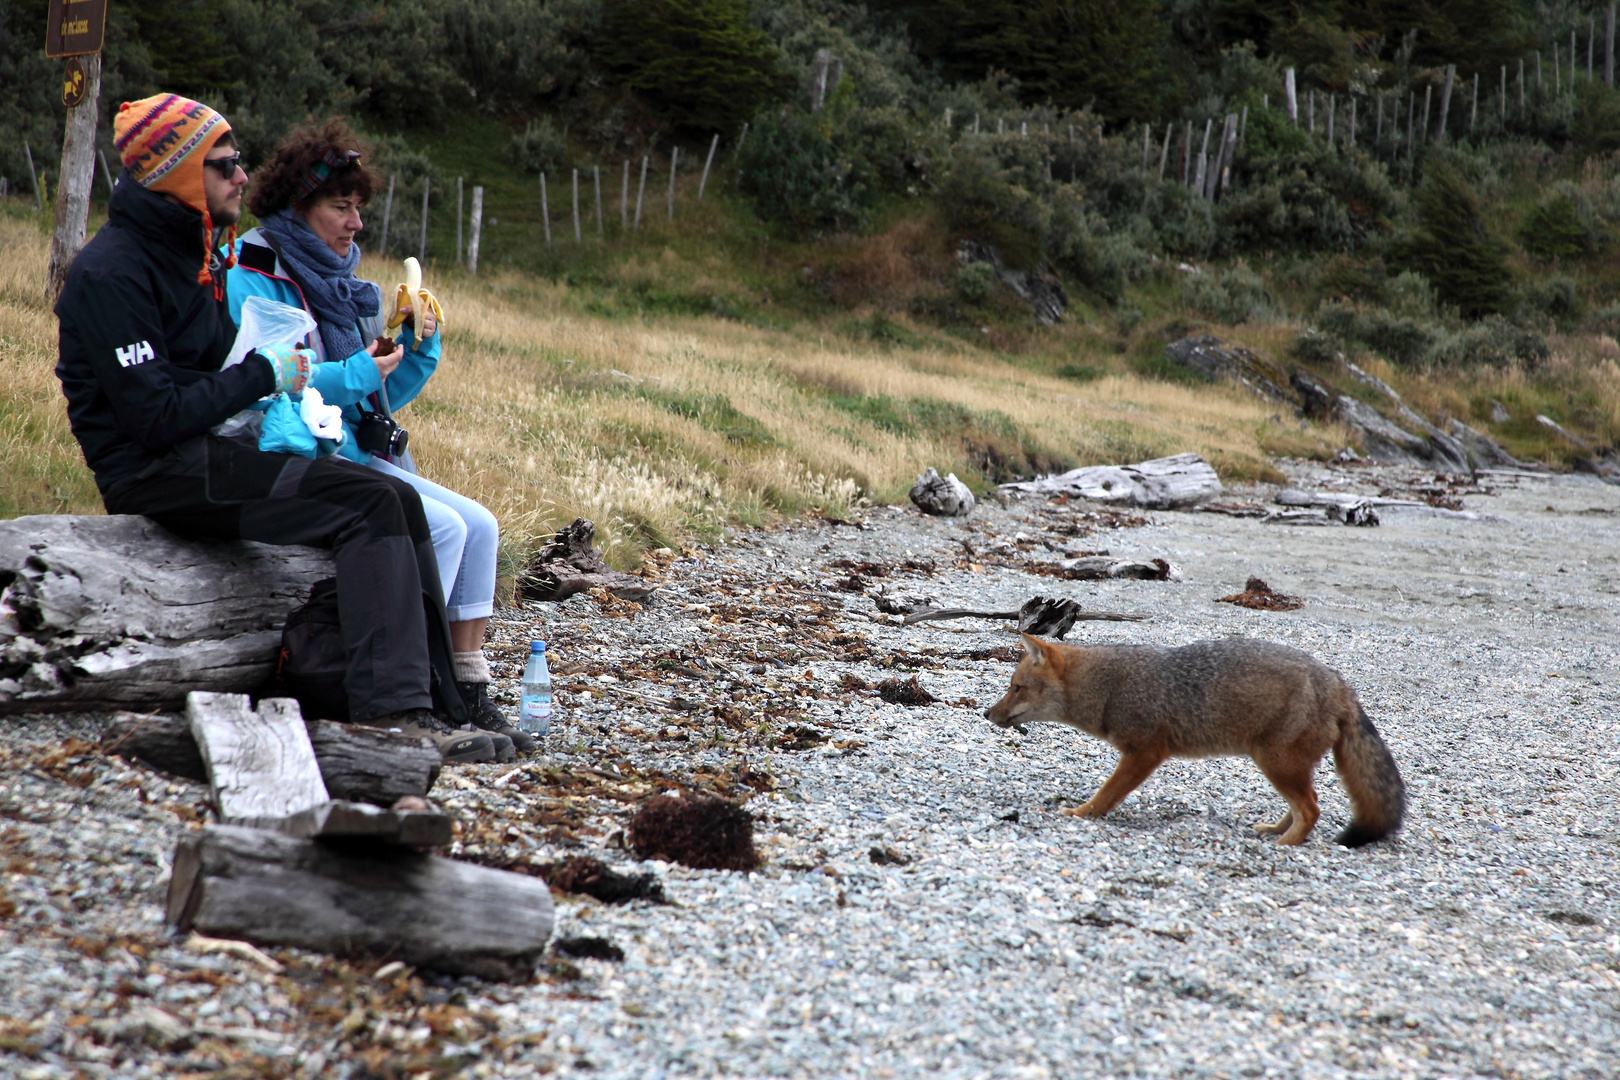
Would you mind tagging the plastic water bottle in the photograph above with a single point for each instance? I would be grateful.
(534, 715)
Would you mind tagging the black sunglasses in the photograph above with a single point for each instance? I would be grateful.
(227, 166)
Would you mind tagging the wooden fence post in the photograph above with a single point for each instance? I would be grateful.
(1428, 92)
(1310, 116)
(596, 176)
(459, 182)
(545, 210)
(818, 82)
(106, 173)
(624, 200)
(975, 123)
(1558, 74)
(1164, 155)
(1333, 105)
(1445, 101)
(1290, 96)
(714, 144)
(1411, 122)
(1223, 172)
(1147, 146)
(640, 191)
(388, 215)
(1243, 125)
(737, 153)
(1186, 155)
(421, 254)
(33, 177)
(476, 230)
(1521, 86)
(674, 161)
(1538, 74)
(578, 236)
(77, 179)
(1608, 46)
(1203, 157)
(1501, 97)
(1591, 38)
(1473, 108)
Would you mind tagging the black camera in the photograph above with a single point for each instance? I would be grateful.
(378, 433)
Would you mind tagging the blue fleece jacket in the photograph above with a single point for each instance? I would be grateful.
(347, 381)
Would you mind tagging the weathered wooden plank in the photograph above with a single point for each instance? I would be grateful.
(109, 612)
(261, 767)
(430, 912)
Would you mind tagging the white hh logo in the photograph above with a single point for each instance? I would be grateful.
(138, 353)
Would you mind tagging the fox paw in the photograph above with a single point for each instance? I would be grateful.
(1083, 810)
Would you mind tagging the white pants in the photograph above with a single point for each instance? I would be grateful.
(466, 538)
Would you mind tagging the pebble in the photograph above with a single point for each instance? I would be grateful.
(922, 909)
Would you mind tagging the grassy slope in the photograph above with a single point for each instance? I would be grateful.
(665, 380)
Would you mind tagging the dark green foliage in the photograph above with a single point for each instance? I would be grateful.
(1451, 246)
(715, 413)
(799, 179)
(1552, 301)
(1596, 128)
(1412, 342)
(1106, 54)
(1554, 229)
(697, 64)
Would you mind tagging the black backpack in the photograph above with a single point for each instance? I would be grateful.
(313, 657)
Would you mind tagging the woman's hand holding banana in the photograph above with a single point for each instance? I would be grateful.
(410, 298)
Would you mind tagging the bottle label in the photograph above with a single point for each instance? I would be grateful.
(534, 715)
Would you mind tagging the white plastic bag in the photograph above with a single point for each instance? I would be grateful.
(268, 322)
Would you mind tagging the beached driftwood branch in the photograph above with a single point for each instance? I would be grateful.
(1160, 484)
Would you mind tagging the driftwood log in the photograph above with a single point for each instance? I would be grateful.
(1161, 484)
(111, 612)
(570, 565)
(359, 764)
(431, 912)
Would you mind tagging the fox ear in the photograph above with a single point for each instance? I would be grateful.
(1034, 648)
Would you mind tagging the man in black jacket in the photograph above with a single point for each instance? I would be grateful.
(143, 332)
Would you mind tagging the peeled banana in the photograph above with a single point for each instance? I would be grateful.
(410, 293)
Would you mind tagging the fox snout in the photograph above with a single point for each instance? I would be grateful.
(1004, 713)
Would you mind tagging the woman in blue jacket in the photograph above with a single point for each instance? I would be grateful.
(308, 198)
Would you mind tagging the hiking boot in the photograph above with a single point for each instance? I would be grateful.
(488, 716)
(462, 747)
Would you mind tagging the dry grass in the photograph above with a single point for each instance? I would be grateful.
(664, 430)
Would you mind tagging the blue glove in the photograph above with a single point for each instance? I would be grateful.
(290, 365)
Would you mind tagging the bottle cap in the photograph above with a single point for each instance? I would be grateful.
(537, 646)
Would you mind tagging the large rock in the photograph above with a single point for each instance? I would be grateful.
(1214, 359)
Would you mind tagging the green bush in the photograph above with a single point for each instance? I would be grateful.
(975, 281)
(1553, 230)
(799, 179)
(1451, 246)
(540, 149)
(1231, 296)
(1554, 300)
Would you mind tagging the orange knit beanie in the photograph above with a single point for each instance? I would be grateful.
(162, 141)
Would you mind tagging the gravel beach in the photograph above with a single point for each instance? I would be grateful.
(922, 908)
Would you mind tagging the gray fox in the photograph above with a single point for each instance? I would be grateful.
(1282, 707)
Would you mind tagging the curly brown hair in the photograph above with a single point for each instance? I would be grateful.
(279, 182)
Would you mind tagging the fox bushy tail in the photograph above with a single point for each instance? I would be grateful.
(1377, 793)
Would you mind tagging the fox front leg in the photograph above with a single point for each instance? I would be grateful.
(1133, 768)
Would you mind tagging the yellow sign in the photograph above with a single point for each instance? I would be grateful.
(73, 82)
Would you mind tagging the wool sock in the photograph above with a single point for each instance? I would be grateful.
(471, 667)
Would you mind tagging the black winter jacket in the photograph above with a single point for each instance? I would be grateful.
(141, 342)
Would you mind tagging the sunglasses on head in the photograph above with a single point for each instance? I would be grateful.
(227, 166)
